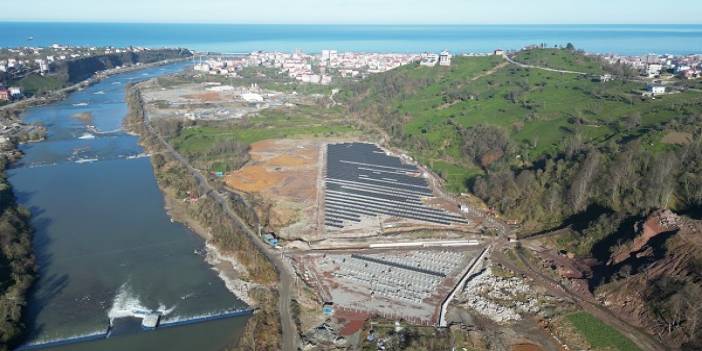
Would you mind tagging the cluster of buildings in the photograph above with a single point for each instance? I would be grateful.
(21, 61)
(653, 66)
(219, 66)
(431, 60)
(320, 68)
(352, 64)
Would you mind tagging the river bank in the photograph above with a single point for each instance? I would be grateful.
(18, 261)
(18, 269)
(246, 272)
(95, 203)
(96, 78)
(227, 267)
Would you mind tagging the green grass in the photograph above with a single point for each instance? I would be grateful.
(270, 124)
(36, 85)
(600, 335)
(562, 59)
(538, 109)
(456, 176)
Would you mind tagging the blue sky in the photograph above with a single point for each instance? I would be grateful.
(361, 11)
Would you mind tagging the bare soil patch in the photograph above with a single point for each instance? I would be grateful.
(284, 173)
(525, 347)
(210, 96)
(677, 138)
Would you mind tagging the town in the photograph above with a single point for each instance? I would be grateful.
(362, 229)
(17, 65)
(320, 68)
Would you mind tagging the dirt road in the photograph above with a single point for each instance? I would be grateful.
(638, 337)
(523, 65)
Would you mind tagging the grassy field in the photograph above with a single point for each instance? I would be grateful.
(538, 109)
(269, 124)
(560, 59)
(600, 335)
(36, 85)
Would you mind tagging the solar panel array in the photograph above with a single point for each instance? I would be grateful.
(362, 180)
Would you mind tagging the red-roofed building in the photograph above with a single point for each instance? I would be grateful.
(4, 94)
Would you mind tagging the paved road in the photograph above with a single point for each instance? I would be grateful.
(285, 286)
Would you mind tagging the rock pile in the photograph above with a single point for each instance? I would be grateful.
(499, 298)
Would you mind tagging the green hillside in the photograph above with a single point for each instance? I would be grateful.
(562, 60)
(498, 129)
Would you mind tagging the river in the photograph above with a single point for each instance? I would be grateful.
(105, 247)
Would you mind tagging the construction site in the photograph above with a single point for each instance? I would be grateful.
(368, 232)
(213, 101)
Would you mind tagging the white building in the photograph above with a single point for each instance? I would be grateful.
(429, 60)
(445, 58)
(655, 89)
(43, 66)
(654, 69)
(15, 91)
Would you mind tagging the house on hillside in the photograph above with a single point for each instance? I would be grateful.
(654, 70)
(654, 90)
(604, 78)
(429, 60)
(445, 58)
(15, 92)
(4, 94)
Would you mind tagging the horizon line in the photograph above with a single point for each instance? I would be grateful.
(343, 24)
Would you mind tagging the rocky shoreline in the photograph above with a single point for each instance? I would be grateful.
(227, 267)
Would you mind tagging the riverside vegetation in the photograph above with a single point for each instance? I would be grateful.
(17, 265)
(554, 150)
(262, 331)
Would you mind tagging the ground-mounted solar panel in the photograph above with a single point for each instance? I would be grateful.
(363, 180)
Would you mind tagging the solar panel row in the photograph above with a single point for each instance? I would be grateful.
(362, 180)
(398, 265)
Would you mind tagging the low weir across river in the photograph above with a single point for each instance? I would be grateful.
(108, 331)
(106, 249)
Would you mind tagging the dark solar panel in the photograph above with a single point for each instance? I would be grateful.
(362, 180)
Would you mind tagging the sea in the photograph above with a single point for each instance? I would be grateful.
(233, 38)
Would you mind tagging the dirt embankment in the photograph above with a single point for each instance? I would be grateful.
(654, 280)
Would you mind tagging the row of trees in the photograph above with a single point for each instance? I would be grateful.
(17, 264)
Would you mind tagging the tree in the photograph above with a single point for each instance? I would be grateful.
(570, 47)
(580, 189)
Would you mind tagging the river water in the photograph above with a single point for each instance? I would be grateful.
(106, 249)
